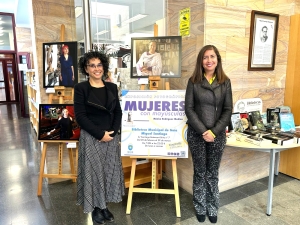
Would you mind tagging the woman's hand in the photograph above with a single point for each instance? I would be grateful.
(107, 137)
(208, 137)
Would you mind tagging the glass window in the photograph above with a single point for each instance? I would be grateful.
(119, 20)
(6, 33)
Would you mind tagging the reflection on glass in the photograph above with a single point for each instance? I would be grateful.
(2, 84)
(6, 33)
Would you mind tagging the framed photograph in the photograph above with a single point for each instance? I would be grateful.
(60, 64)
(149, 58)
(57, 122)
(263, 40)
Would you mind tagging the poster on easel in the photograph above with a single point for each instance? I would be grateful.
(154, 123)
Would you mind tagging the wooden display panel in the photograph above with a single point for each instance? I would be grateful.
(290, 159)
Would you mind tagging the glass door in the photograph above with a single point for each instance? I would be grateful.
(8, 81)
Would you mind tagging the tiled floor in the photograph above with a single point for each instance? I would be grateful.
(19, 204)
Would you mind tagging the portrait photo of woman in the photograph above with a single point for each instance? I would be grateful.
(60, 69)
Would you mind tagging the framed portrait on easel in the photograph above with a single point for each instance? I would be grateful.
(57, 122)
(60, 64)
(151, 56)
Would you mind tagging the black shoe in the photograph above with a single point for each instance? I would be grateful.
(97, 216)
(213, 219)
(200, 218)
(107, 215)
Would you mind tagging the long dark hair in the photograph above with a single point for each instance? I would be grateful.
(198, 73)
(84, 60)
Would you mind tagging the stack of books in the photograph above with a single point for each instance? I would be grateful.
(255, 132)
(279, 139)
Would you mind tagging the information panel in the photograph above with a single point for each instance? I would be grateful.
(154, 123)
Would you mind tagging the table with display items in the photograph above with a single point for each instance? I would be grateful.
(273, 150)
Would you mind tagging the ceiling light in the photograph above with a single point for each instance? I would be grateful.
(102, 32)
(78, 11)
(135, 18)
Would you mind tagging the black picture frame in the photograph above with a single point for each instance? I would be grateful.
(52, 64)
(263, 41)
(169, 50)
(49, 117)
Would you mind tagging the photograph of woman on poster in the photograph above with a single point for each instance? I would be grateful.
(66, 66)
(150, 62)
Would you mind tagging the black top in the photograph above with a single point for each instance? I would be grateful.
(65, 125)
(92, 114)
(99, 93)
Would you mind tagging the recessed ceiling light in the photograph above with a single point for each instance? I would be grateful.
(102, 32)
(78, 11)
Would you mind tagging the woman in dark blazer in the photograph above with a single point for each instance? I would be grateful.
(208, 107)
(98, 113)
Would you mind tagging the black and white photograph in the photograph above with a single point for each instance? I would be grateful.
(263, 40)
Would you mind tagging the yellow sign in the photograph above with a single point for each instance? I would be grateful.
(184, 22)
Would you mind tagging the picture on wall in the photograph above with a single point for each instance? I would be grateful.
(60, 64)
(57, 122)
(156, 56)
(263, 41)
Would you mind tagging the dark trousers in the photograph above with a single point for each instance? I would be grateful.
(206, 159)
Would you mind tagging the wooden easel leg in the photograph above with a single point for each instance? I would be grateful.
(50, 98)
(72, 162)
(130, 191)
(175, 179)
(76, 162)
(42, 166)
(60, 157)
(154, 174)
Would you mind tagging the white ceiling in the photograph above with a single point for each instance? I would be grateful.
(20, 9)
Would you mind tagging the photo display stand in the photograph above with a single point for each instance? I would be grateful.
(60, 175)
(60, 91)
(156, 171)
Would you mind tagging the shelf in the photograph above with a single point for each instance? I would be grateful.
(32, 99)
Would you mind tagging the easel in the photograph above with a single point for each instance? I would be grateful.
(61, 97)
(73, 166)
(60, 90)
(154, 184)
(155, 160)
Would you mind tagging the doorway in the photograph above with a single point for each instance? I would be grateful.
(8, 79)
